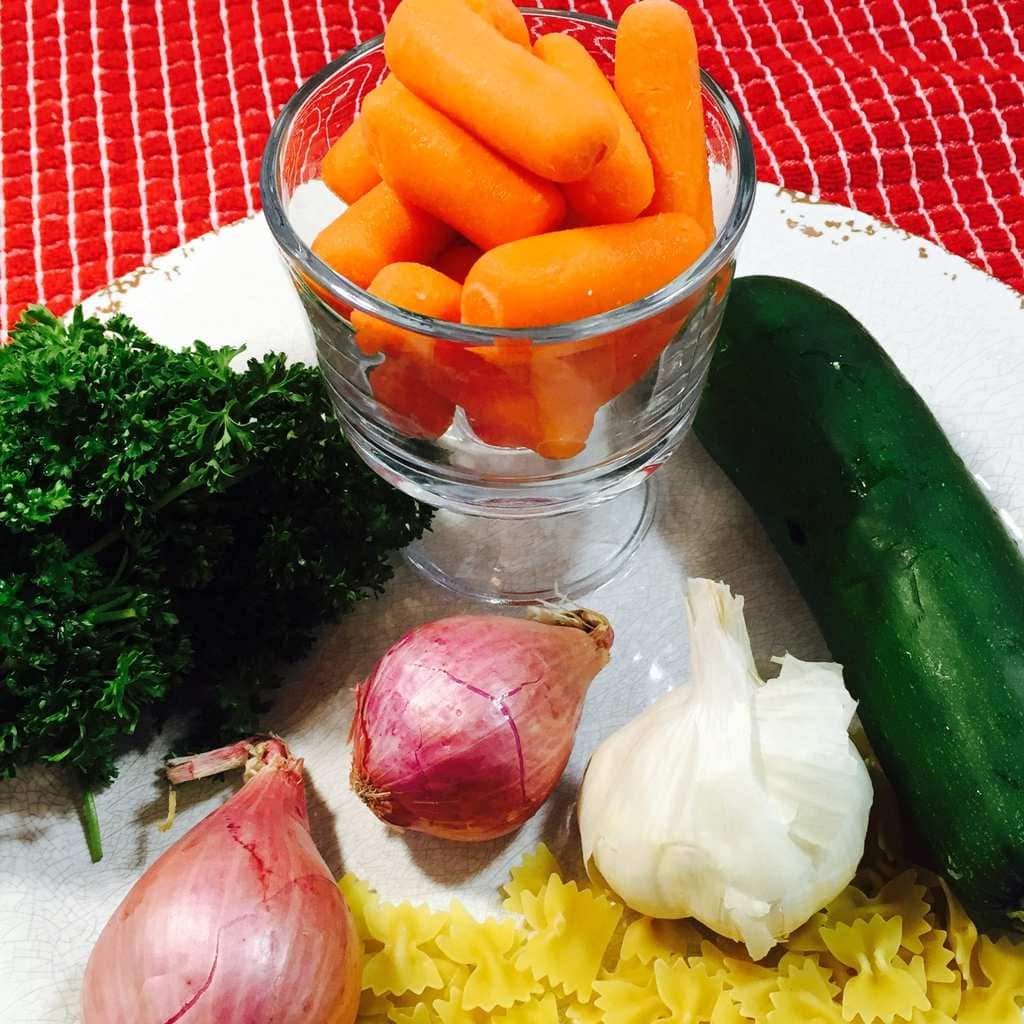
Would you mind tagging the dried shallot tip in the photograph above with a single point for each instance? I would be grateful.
(213, 762)
(466, 724)
(240, 920)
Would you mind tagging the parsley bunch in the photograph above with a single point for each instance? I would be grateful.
(170, 529)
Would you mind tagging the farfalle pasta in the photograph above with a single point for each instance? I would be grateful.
(401, 965)
(900, 952)
(529, 875)
(418, 1014)
(997, 1001)
(373, 1005)
(570, 931)
(486, 948)
(583, 1013)
(936, 1012)
(647, 939)
(801, 964)
(903, 897)
(727, 1012)
(358, 895)
(687, 990)
(883, 986)
(628, 1001)
(540, 1011)
(750, 986)
(936, 957)
(713, 955)
(963, 934)
(804, 993)
(449, 1009)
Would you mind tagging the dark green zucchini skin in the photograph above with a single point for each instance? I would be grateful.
(917, 586)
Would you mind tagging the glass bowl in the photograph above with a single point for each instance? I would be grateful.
(536, 445)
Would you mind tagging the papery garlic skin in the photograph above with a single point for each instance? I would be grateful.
(741, 803)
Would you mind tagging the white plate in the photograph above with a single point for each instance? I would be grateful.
(957, 334)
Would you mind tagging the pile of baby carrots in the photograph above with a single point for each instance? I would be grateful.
(504, 182)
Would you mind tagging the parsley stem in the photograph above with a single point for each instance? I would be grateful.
(91, 824)
(117, 616)
(190, 483)
(186, 485)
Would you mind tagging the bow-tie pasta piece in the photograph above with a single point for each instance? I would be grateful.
(689, 992)
(418, 1014)
(903, 897)
(372, 1005)
(751, 986)
(627, 1001)
(486, 948)
(539, 1011)
(629, 970)
(798, 966)
(529, 875)
(713, 955)
(937, 956)
(804, 994)
(571, 929)
(401, 965)
(883, 986)
(727, 1012)
(449, 1010)
(648, 939)
(963, 935)
(936, 1014)
(358, 895)
(1002, 963)
(583, 1013)
(845, 908)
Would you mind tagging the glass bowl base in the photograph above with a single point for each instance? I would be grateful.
(523, 561)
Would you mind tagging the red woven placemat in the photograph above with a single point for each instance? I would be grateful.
(131, 126)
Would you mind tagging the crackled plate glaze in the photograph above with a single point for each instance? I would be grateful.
(957, 334)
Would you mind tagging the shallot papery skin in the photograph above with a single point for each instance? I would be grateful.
(239, 922)
(466, 724)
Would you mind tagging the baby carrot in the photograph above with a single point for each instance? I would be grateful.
(621, 186)
(657, 77)
(638, 347)
(567, 400)
(457, 259)
(428, 377)
(410, 405)
(569, 274)
(506, 96)
(347, 169)
(434, 164)
(411, 286)
(378, 229)
(405, 382)
(568, 384)
(505, 17)
(498, 403)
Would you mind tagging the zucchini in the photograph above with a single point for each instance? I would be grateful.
(917, 586)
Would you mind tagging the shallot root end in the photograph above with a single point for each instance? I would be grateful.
(590, 622)
(379, 801)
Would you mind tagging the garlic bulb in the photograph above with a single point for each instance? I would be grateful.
(741, 803)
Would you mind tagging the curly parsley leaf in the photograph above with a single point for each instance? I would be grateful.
(171, 528)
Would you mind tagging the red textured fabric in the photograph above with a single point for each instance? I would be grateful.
(130, 126)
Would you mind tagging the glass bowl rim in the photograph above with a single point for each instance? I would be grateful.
(647, 306)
